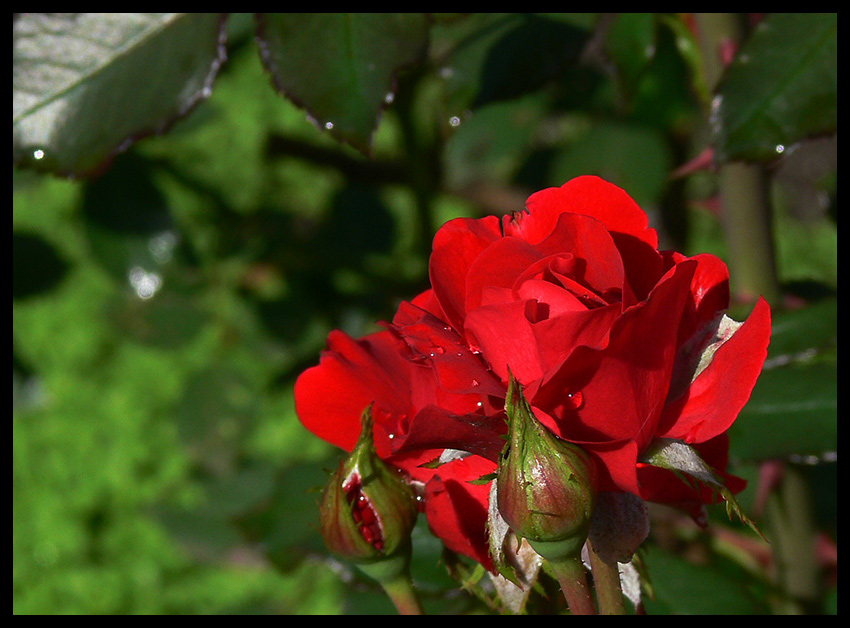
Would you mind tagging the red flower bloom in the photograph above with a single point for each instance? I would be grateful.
(615, 343)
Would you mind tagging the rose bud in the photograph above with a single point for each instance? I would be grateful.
(368, 510)
(546, 486)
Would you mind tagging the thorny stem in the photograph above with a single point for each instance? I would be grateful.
(606, 581)
(573, 580)
(403, 595)
(743, 188)
(789, 510)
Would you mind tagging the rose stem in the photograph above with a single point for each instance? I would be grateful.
(791, 521)
(743, 188)
(606, 581)
(573, 579)
(403, 595)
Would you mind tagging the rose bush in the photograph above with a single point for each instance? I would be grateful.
(615, 343)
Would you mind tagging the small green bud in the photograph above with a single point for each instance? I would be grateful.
(546, 487)
(368, 510)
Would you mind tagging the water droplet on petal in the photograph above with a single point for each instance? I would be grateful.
(436, 351)
(575, 399)
(475, 382)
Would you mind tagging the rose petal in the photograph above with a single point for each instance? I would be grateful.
(434, 428)
(599, 266)
(498, 266)
(587, 195)
(506, 340)
(330, 397)
(457, 509)
(560, 335)
(438, 345)
(716, 396)
(616, 462)
(623, 386)
(709, 291)
(457, 244)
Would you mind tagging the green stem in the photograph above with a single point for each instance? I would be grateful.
(746, 223)
(791, 522)
(403, 594)
(606, 581)
(743, 188)
(393, 574)
(573, 580)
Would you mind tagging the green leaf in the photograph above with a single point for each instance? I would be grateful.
(340, 67)
(683, 460)
(781, 88)
(803, 332)
(793, 410)
(683, 588)
(490, 57)
(630, 44)
(84, 86)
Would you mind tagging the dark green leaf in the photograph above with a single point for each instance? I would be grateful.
(683, 588)
(340, 66)
(631, 45)
(501, 56)
(803, 332)
(793, 408)
(793, 411)
(781, 88)
(633, 157)
(86, 85)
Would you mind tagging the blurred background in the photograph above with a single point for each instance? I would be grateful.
(166, 295)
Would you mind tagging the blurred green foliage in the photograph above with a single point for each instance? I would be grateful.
(163, 308)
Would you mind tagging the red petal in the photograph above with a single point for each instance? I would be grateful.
(587, 195)
(506, 339)
(456, 246)
(457, 510)
(439, 346)
(434, 428)
(498, 266)
(558, 336)
(623, 386)
(588, 240)
(716, 396)
(330, 397)
(709, 290)
(616, 463)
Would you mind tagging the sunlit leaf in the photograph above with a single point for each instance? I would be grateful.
(85, 85)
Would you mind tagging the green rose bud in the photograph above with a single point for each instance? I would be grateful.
(546, 487)
(368, 510)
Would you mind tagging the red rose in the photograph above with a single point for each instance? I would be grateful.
(419, 419)
(615, 343)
